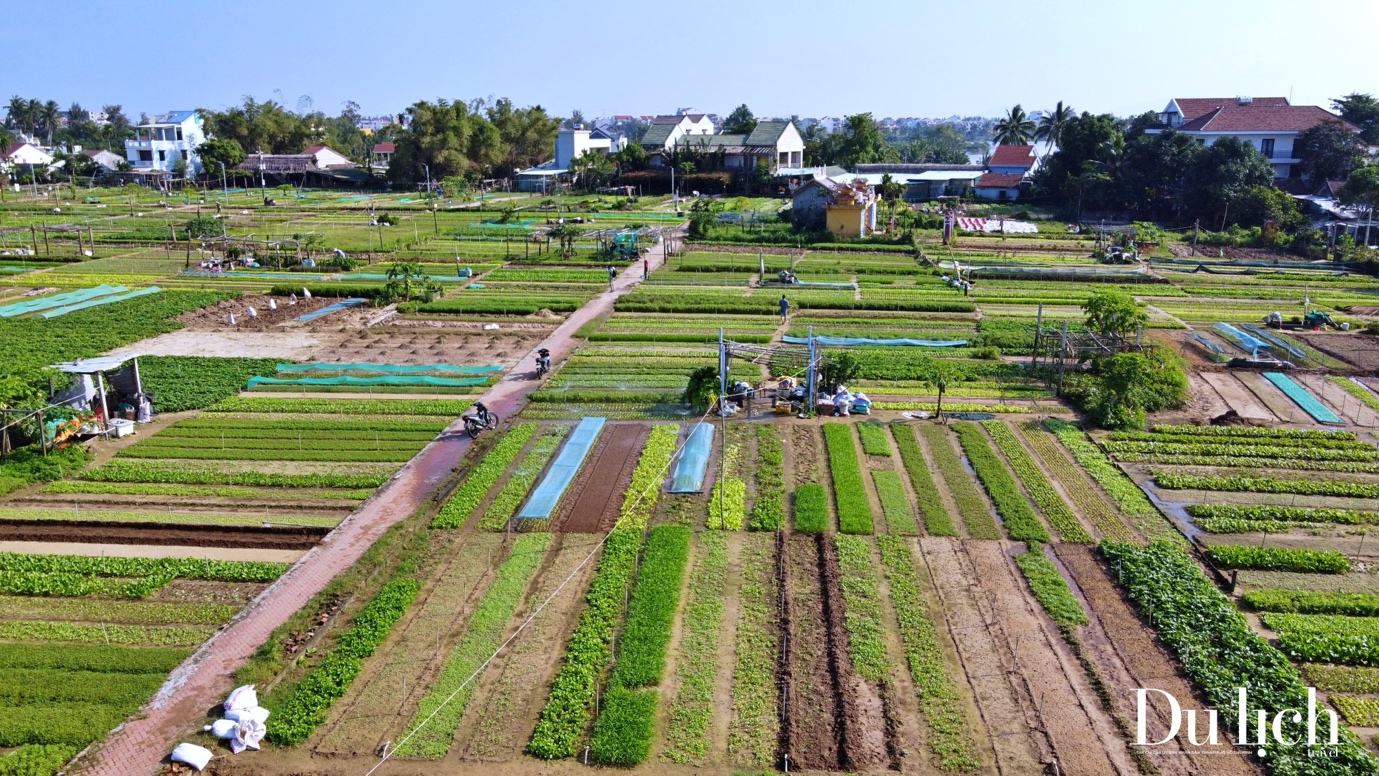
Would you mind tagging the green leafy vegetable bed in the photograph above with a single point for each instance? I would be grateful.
(849, 494)
(1020, 521)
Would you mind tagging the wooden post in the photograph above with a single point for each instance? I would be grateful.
(172, 232)
(47, 249)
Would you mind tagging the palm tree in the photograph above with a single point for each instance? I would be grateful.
(1015, 129)
(1051, 125)
(17, 113)
(34, 111)
(50, 117)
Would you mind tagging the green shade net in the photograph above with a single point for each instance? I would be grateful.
(324, 366)
(379, 380)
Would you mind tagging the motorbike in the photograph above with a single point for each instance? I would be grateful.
(475, 424)
(543, 362)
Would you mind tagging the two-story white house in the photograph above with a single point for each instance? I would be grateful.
(1006, 172)
(666, 131)
(1270, 124)
(158, 145)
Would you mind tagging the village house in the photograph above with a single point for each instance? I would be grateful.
(1007, 170)
(24, 156)
(382, 154)
(1270, 124)
(847, 209)
(166, 139)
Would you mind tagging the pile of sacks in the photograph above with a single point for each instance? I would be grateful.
(243, 725)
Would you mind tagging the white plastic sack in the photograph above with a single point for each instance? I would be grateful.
(248, 734)
(306, 293)
(191, 754)
(242, 697)
(223, 728)
(257, 713)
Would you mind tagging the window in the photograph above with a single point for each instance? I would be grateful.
(179, 133)
(1266, 147)
(784, 158)
(162, 156)
(145, 156)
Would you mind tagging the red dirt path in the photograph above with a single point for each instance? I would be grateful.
(141, 743)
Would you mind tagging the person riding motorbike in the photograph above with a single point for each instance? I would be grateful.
(481, 412)
(543, 362)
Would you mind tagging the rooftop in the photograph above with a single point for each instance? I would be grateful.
(1013, 156)
(1253, 117)
(999, 180)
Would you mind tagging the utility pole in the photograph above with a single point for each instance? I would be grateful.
(1195, 225)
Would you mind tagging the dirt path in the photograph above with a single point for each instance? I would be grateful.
(593, 501)
(1066, 710)
(1338, 399)
(142, 742)
(865, 729)
(1238, 398)
(982, 661)
(1128, 657)
(146, 551)
(1270, 396)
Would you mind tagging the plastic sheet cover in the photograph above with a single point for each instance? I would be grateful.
(558, 477)
(1311, 404)
(98, 301)
(694, 460)
(824, 339)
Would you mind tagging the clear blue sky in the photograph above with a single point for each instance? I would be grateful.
(807, 57)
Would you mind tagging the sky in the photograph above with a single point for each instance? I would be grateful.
(802, 57)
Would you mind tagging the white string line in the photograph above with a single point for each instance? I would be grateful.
(654, 485)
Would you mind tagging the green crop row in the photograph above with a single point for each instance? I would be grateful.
(147, 471)
(754, 731)
(482, 476)
(1346, 442)
(849, 494)
(1365, 395)
(1166, 450)
(1220, 652)
(566, 713)
(1343, 624)
(224, 491)
(1075, 484)
(451, 408)
(98, 633)
(1312, 602)
(874, 441)
(298, 711)
(242, 436)
(975, 514)
(623, 731)
(1301, 559)
(1271, 512)
(69, 724)
(936, 519)
(949, 736)
(728, 499)
(949, 406)
(1020, 521)
(192, 382)
(444, 703)
(862, 616)
(108, 611)
(1050, 587)
(208, 425)
(1330, 647)
(90, 657)
(39, 686)
(1037, 484)
(895, 505)
(768, 512)
(688, 735)
(811, 508)
(1360, 712)
(185, 568)
(1333, 678)
(1251, 462)
(1122, 490)
(36, 759)
(1243, 484)
(175, 445)
(505, 504)
(145, 451)
(1251, 431)
(639, 500)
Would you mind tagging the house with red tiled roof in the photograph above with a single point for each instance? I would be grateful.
(382, 154)
(1006, 171)
(25, 156)
(1270, 124)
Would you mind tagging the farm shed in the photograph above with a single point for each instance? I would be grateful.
(124, 391)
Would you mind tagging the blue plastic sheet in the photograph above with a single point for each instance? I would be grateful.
(351, 302)
(452, 382)
(1246, 342)
(694, 460)
(824, 339)
(98, 301)
(58, 300)
(1306, 400)
(576, 448)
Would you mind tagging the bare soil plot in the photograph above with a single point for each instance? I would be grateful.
(985, 658)
(247, 537)
(1336, 397)
(503, 710)
(1127, 657)
(813, 730)
(1238, 397)
(215, 317)
(757, 614)
(594, 498)
(1353, 348)
(1270, 396)
(1083, 738)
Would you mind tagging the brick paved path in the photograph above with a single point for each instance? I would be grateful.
(204, 679)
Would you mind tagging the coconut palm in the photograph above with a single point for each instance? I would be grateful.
(1015, 129)
(49, 118)
(1051, 125)
(17, 113)
(33, 109)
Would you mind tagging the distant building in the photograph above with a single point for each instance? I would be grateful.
(1270, 124)
(106, 160)
(775, 143)
(23, 155)
(1007, 170)
(846, 209)
(571, 143)
(922, 181)
(382, 154)
(666, 131)
(164, 140)
(317, 158)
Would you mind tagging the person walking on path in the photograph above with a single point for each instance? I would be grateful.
(612, 273)
(646, 269)
(784, 308)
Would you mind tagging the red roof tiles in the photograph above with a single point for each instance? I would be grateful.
(999, 180)
(1013, 156)
(1261, 118)
(1192, 107)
